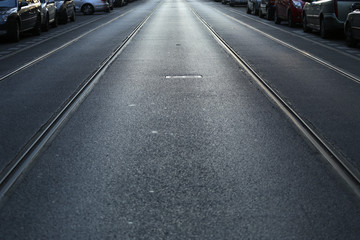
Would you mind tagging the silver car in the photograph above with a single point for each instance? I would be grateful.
(48, 14)
(88, 7)
(326, 16)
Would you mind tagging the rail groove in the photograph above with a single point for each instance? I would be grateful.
(38, 59)
(339, 163)
(13, 172)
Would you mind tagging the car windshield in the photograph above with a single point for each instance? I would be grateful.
(8, 3)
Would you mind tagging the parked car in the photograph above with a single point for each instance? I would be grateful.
(237, 2)
(352, 26)
(48, 14)
(120, 3)
(88, 7)
(326, 16)
(19, 16)
(65, 10)
(253, 6)
(267, 9)
(288, 10)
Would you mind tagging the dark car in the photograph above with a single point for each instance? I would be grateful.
(288, 10)
(352, 26)
(267, 9)
(65, 10)
(326, 16)
(19, 16)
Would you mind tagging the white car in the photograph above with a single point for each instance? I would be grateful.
(88, 7)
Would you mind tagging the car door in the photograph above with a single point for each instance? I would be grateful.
(312, 10)
(52, 9)
(355, 25)
(282, 9)
(25, 14)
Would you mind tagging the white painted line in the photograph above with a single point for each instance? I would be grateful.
(184, 76)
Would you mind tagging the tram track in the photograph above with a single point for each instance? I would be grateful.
(336, 159)
(265, 22)
(53, 37)
(49, 53)
(16, 168)
(254, 18)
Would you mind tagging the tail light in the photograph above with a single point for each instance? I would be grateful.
(336, 8)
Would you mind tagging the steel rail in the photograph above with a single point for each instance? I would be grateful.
(339, 163)
(21, 163)
(253, 18)
(304, 53)
(54, 36)
(42, 57)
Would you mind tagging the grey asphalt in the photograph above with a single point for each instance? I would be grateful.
(327, 100)
(150, 157)
(30, 98)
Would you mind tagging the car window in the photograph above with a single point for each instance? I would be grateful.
(7, 3)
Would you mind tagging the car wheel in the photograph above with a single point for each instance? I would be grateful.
(350, 41)
(56, 21)
(37, 27)
(290, 20)
(323, 32)
(46, 25)
(304, 24)
(13, 32)
(276, 18)
(87, 9)
(261, 15)
(73, 16)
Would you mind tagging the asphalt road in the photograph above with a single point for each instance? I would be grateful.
(176, 140)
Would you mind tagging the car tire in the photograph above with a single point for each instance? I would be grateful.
(37, 28)
(261, 15)
(73, 16)
(46, 25)
(13, 32)
(56, 21)
(304, 24)
(87, 9)
(248, 11)
(290, 20)
(323, 32)
(276, 18)
(350, 41)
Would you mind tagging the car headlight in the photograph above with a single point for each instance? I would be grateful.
(4, 15)
(297, 4)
